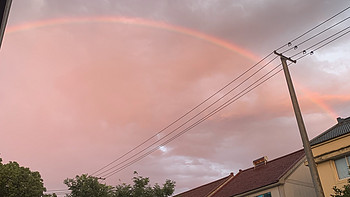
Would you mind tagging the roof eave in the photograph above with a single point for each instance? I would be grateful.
(275, 184)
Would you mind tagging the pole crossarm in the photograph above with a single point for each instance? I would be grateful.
(282, 56)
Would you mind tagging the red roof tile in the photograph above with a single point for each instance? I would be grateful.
(249, 179)
(203, 190)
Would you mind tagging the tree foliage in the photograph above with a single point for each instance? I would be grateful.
(345, 192)
(142, 188)
(18, 181)
(85, 185)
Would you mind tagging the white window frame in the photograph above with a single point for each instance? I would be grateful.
(346, 157)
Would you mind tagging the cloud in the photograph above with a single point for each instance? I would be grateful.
(73, 97)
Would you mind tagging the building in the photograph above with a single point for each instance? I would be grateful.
(286, 176)
(331, 150)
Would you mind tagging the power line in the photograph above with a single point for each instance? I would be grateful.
(334, 39)
(315, 27)
(227, 103)
(297, 45)
(109, 174)
(226, 94)
(341, 35)
(248, 89)
(181, 117)
(213, 112)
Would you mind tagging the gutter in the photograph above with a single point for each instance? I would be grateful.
(259, 189)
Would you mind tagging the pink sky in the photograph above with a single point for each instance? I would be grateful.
(76, 96)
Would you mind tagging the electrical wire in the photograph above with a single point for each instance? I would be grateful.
(181, 117)
(320, 24)
(334, 39)
(323, 45)
(213, 112)
(143, 143)
(227, 103)
(226, 94)
(325, 40)
(297, 45)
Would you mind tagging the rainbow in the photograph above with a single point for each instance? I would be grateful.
(163, 26)
(133, 21)
(319, 100)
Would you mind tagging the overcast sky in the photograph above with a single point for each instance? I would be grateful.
(83, 81)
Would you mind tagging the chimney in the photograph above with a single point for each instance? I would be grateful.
(340, 120)
(260, 161)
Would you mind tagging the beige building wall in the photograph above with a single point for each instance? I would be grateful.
(325, 153)
(299, 183)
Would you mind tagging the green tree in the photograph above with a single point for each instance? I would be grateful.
(345, 192)
(18, 181)
(142, 188)
(84, 186)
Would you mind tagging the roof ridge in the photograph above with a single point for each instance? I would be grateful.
(301, 150)
(324, 132)
(274, 169)
(342, 120)
(278, 158)
(339, 129)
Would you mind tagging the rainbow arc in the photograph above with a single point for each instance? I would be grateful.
(163, 26)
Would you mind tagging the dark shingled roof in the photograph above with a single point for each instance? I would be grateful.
(203, 190)
(341, 128)
(251, 178)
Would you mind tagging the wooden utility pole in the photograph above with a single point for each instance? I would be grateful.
(307, 148)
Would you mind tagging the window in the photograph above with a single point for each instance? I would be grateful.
(265, 195)
(342, 166)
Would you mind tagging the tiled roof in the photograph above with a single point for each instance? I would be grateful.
(203, 190)
(341, 128)
(254, 178)
(251, 179)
